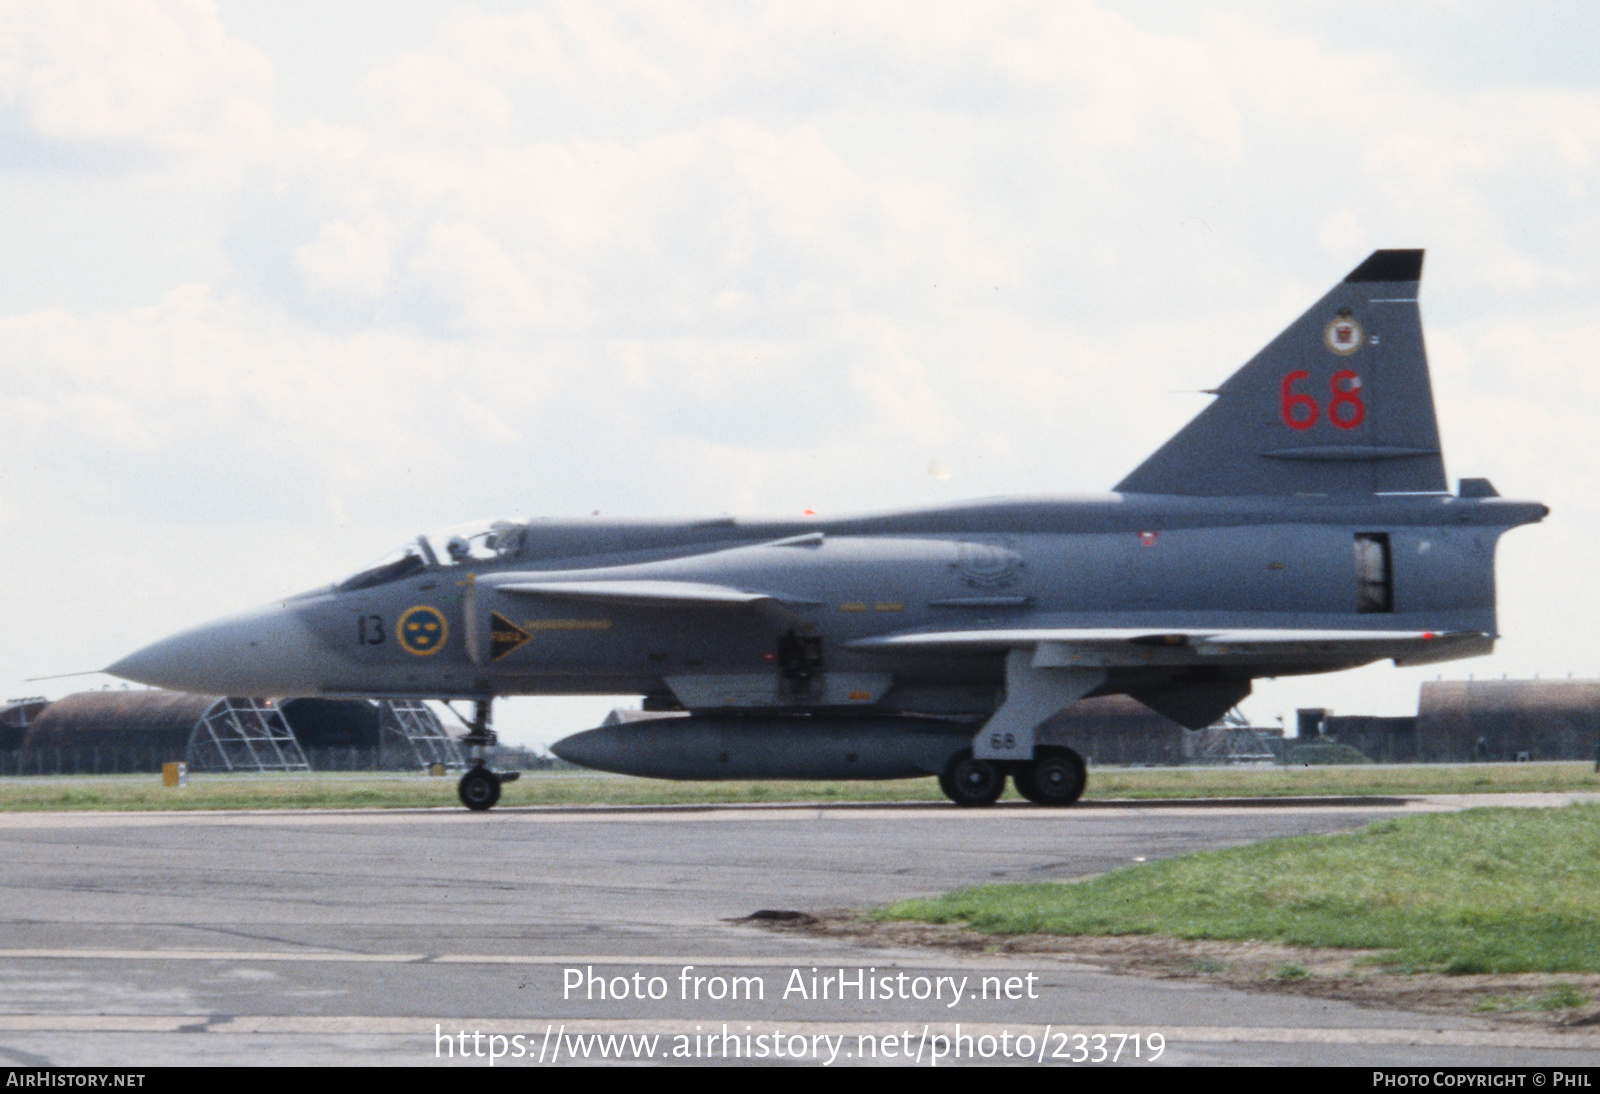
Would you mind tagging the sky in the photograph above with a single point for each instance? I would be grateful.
(287, 284)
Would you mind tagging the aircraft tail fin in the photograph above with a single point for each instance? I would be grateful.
(1339, 403)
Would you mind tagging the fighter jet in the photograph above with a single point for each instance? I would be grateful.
(1301, 523)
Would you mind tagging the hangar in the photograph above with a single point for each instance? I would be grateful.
(95, 732)
(1467, 721)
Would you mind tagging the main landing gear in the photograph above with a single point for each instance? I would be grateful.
(479, 788)
(969, 781)
(1055, 776)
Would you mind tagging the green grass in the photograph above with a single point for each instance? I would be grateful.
(1324, 752)
(1362, 780)
(338, 790)
(1488, 890)
(1560, 997)
(335, 790)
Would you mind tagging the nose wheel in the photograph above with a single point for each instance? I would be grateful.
(479, 788)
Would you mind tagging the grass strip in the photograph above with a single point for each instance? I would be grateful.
(1487, 890)
(337, 790)
(406, 791)
(1363, 780)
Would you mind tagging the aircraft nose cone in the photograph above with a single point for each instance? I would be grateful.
(265, 652)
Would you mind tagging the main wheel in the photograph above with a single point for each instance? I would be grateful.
(479, 789)
(969, 782)
(1056, 776)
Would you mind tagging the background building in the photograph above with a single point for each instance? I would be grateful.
(104, 732)
(1462, 721)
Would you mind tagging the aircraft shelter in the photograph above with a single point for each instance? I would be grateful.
(1467, 721)
(138, 730)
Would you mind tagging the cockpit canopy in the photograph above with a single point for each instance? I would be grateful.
(463, 545)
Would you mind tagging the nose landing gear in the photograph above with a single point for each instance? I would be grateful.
(479, 788)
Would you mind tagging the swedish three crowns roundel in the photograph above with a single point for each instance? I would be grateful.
(422, 630)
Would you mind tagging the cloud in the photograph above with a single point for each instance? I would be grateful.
(142, 78)
(347, 258)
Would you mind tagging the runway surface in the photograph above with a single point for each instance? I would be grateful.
(346, 937)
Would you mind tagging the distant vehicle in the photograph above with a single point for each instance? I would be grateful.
(1301, 523)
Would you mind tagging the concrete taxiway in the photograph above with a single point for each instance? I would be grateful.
(348, 937)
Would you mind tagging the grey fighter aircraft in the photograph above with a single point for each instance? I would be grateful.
(1301, 523)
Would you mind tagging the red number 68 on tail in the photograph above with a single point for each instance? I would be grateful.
(1345, 408)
